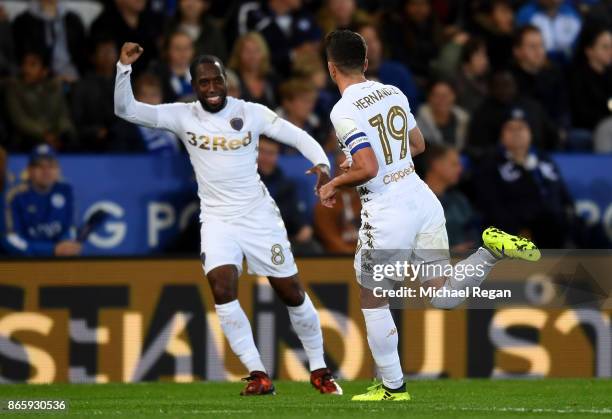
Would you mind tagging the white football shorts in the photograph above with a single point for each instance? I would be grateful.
(259, 235)
(411, 219)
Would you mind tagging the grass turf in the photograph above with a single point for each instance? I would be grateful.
(564, 398)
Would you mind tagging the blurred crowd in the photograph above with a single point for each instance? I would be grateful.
(494, 84)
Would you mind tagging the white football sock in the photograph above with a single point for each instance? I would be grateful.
(237, 330)
(482, 262)
(305, 321)
(383, 339)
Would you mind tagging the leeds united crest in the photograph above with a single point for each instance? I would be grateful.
(237, 123)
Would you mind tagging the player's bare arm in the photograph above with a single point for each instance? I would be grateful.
(363, 168)
(416, 141)
(323, 176)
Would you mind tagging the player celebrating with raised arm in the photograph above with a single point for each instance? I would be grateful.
(239, 218)
(379, 136)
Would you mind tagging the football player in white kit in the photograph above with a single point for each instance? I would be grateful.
(379, 135)
(238, 216)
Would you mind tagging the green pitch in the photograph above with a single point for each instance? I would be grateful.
(566, 398)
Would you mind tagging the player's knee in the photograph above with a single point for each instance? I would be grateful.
(223, 285)
(289, 290)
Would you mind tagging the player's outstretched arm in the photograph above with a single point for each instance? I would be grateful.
(285, 132)
(364, 167)
(126, 107)
(416, 141)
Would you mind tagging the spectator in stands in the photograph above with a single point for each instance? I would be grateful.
(503, 96)
(471, 84)
(173, 70)
(92, 98)
(192, 18)
(7, 65)
(129, 21)
(284, 192)
(310, 68)
(337, 228)
(128, 137)
(250, 60)
(47, 24)
(413, 36)
(36, 106)
(521, 190)
(340, 14)
(387, 71)
(591, 78)
(233, 84)
(298, 99)
(286, 26)
(496, 26)
(442, 173)
(40, 211)
(441, 121)
(537, 77)
(558, 21)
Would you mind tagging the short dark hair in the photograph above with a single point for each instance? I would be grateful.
(205, 59)
(434, 153)
(520, 33)
(347, 50)
(470, 48)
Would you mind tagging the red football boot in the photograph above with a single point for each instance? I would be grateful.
(258, 384)
(323, 381)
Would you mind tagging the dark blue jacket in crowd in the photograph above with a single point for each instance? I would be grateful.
(530, 197)
(36, 222)
(396, 74)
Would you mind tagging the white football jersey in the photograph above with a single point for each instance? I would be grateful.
(222, 146)
(371, 114)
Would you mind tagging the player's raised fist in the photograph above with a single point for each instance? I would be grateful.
(130, 52)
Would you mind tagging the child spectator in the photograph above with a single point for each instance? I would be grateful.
(36, 106)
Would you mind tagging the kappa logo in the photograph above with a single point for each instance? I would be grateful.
(237, 123)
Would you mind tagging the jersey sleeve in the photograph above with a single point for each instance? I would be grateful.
(285, 132)
(348, 132)
(166, 116)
